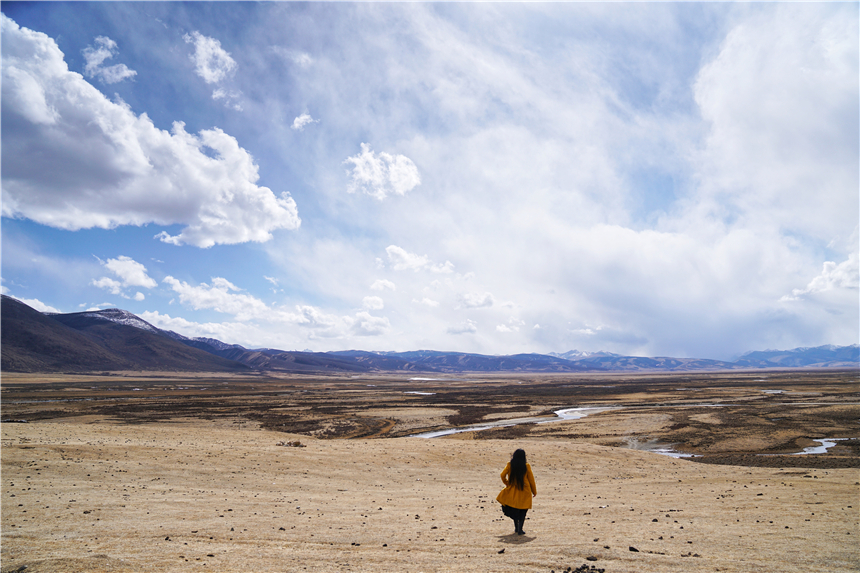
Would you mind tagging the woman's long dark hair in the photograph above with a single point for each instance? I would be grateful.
(518, 469)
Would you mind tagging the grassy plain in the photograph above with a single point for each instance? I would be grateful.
(132, 472)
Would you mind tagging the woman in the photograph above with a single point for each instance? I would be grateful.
(520, 488)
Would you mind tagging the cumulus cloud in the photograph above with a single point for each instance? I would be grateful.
(845, 275)
(109, 284)
(364, 324)
(383, 174)
(427, 302)
(221, 296)
(300, 122)
(130, 273)
(383, 284)
(403, 260)
(477, 300)
(513, 325)
(373, 303)
(95, 57)
(72, 159)
(466, 327)
(211, 61)
(214, 65)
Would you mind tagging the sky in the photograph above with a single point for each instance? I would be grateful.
(653, 179)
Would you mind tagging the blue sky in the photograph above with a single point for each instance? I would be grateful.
(652, 179)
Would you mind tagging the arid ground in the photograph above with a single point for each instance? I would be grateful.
(127, 472)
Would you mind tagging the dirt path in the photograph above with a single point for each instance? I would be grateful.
(84, 494)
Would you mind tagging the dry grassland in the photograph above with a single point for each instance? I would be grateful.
(84, 489)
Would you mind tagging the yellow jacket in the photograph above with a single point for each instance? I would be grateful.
(514, 497)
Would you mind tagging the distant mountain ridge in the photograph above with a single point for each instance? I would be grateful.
(827, 356)
(115, 339)
(111, 340)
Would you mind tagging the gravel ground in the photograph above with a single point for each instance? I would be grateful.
(87, 494)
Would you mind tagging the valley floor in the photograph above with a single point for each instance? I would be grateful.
(91, 492)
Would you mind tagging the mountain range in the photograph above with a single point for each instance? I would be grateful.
(117, 340)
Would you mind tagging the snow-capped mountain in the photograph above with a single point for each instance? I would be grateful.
(579, 355)
(122, 317)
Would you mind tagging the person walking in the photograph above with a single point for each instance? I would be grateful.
(520, 488)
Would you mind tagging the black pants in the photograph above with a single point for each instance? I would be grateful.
(518, 515)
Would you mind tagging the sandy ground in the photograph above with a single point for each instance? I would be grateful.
(87, 494)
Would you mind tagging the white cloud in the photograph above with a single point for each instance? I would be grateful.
(446, 268)
(299, 58)
(89, 162)
(139, 296)
(275, 284)
(781, 149)
(477, 300)
(38, 305)
(230, 98)
(211, 61)
(383, 284)
(97, 306)
(300, 122)
(383, 174)
(302, 59)
(403, 260)
(95, 57)
(131, 272)
(513, 325)
(467, 327)
(107, 283)
(316, 318)
(225, 297)
(373, 303)
(229, 332)
(672, 184)
(366, 325)
(221, 296)
(845, 275)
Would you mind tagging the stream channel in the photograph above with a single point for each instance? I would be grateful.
(575, 413)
